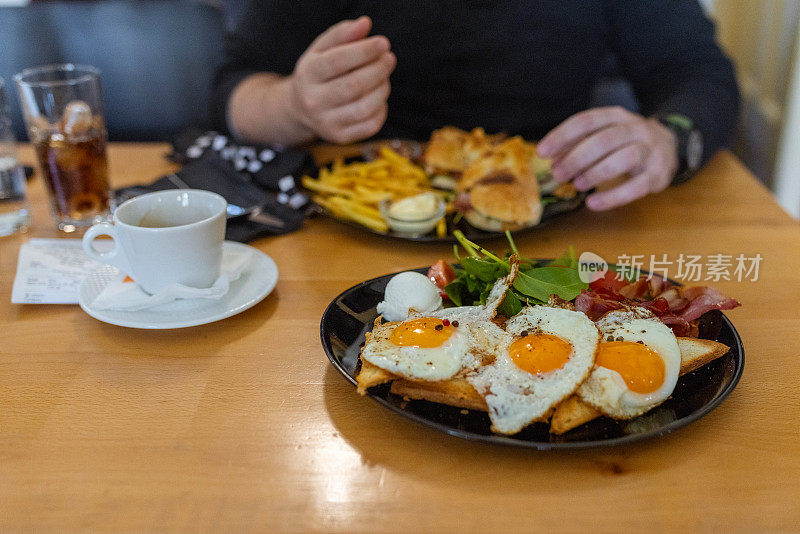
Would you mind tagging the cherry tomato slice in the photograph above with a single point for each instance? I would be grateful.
(441, 274)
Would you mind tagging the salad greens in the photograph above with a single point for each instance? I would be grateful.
(536, 281)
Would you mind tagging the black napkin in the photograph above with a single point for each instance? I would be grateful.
(264, 165)
(263, 202)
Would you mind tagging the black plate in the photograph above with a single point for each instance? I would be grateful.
(351, 315)
(414, 150)
(551, 211)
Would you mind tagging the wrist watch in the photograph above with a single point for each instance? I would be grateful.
(689, 145)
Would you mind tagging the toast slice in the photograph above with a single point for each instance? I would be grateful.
(571, 413)
(695, 353)
(371, 375)
(454, 392)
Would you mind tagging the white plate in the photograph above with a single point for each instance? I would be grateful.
(256, 282)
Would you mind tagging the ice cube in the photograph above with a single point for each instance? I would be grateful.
(39, 127)
(77, 119)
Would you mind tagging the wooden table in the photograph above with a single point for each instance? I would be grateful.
(244, 426)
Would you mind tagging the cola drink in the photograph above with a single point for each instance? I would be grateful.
(63, 110)
(72, 157)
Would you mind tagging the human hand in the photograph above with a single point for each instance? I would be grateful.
(599, 144)
(340, 84)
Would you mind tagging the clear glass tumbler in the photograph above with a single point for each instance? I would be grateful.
(14, 214)
(63, 110)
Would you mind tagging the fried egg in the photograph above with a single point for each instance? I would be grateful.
(637, 366)
(543, 355)
(423, 348)
(438, 345)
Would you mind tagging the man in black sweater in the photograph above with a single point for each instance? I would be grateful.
(299, 70)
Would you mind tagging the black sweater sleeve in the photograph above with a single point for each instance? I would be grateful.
(271, 37)
(668, 52)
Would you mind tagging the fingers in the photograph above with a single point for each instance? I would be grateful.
(344, 58)
(342, 32)
(604, 143)
(361, 130)
(628, 159)
(318, 99)
(354, 112)
(340, 84)
(595, 147)
(636, 187)
(579, 126)
(355, 84)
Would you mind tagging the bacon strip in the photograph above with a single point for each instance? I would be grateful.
(675, 306)
(595, 306)
(703, 299)
(674, 299)
(635, 290)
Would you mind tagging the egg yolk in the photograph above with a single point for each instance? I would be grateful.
(426, 332)
(640, 367)
(539, 353)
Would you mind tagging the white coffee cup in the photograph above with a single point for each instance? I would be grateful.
(164, 238)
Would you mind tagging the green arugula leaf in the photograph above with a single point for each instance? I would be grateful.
(541, 282)
(568, 259)
(473, 284)
(510, 306)
(483, 296)
(454, 290)
(480, 269)
(484, 270)
(511, 242)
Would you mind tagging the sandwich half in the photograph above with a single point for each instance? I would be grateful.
(499, 191)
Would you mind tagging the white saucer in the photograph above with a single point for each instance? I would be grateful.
(256, 282)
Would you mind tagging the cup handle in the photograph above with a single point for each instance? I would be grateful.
(113, 257)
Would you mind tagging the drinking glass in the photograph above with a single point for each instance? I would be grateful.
(14, 214)
(63, 110)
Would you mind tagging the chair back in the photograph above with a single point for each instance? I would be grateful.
(157, 59)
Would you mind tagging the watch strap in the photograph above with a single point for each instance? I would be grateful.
(685, 134)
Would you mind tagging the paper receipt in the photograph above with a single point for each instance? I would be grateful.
(50, 271)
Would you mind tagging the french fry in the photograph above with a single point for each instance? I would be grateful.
(441, 228)
(323, 187)
(371, 196)
(356, 207)
(359, 213)
(321, 201)
(353, 191)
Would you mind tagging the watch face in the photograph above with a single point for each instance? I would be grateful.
(694, 150)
